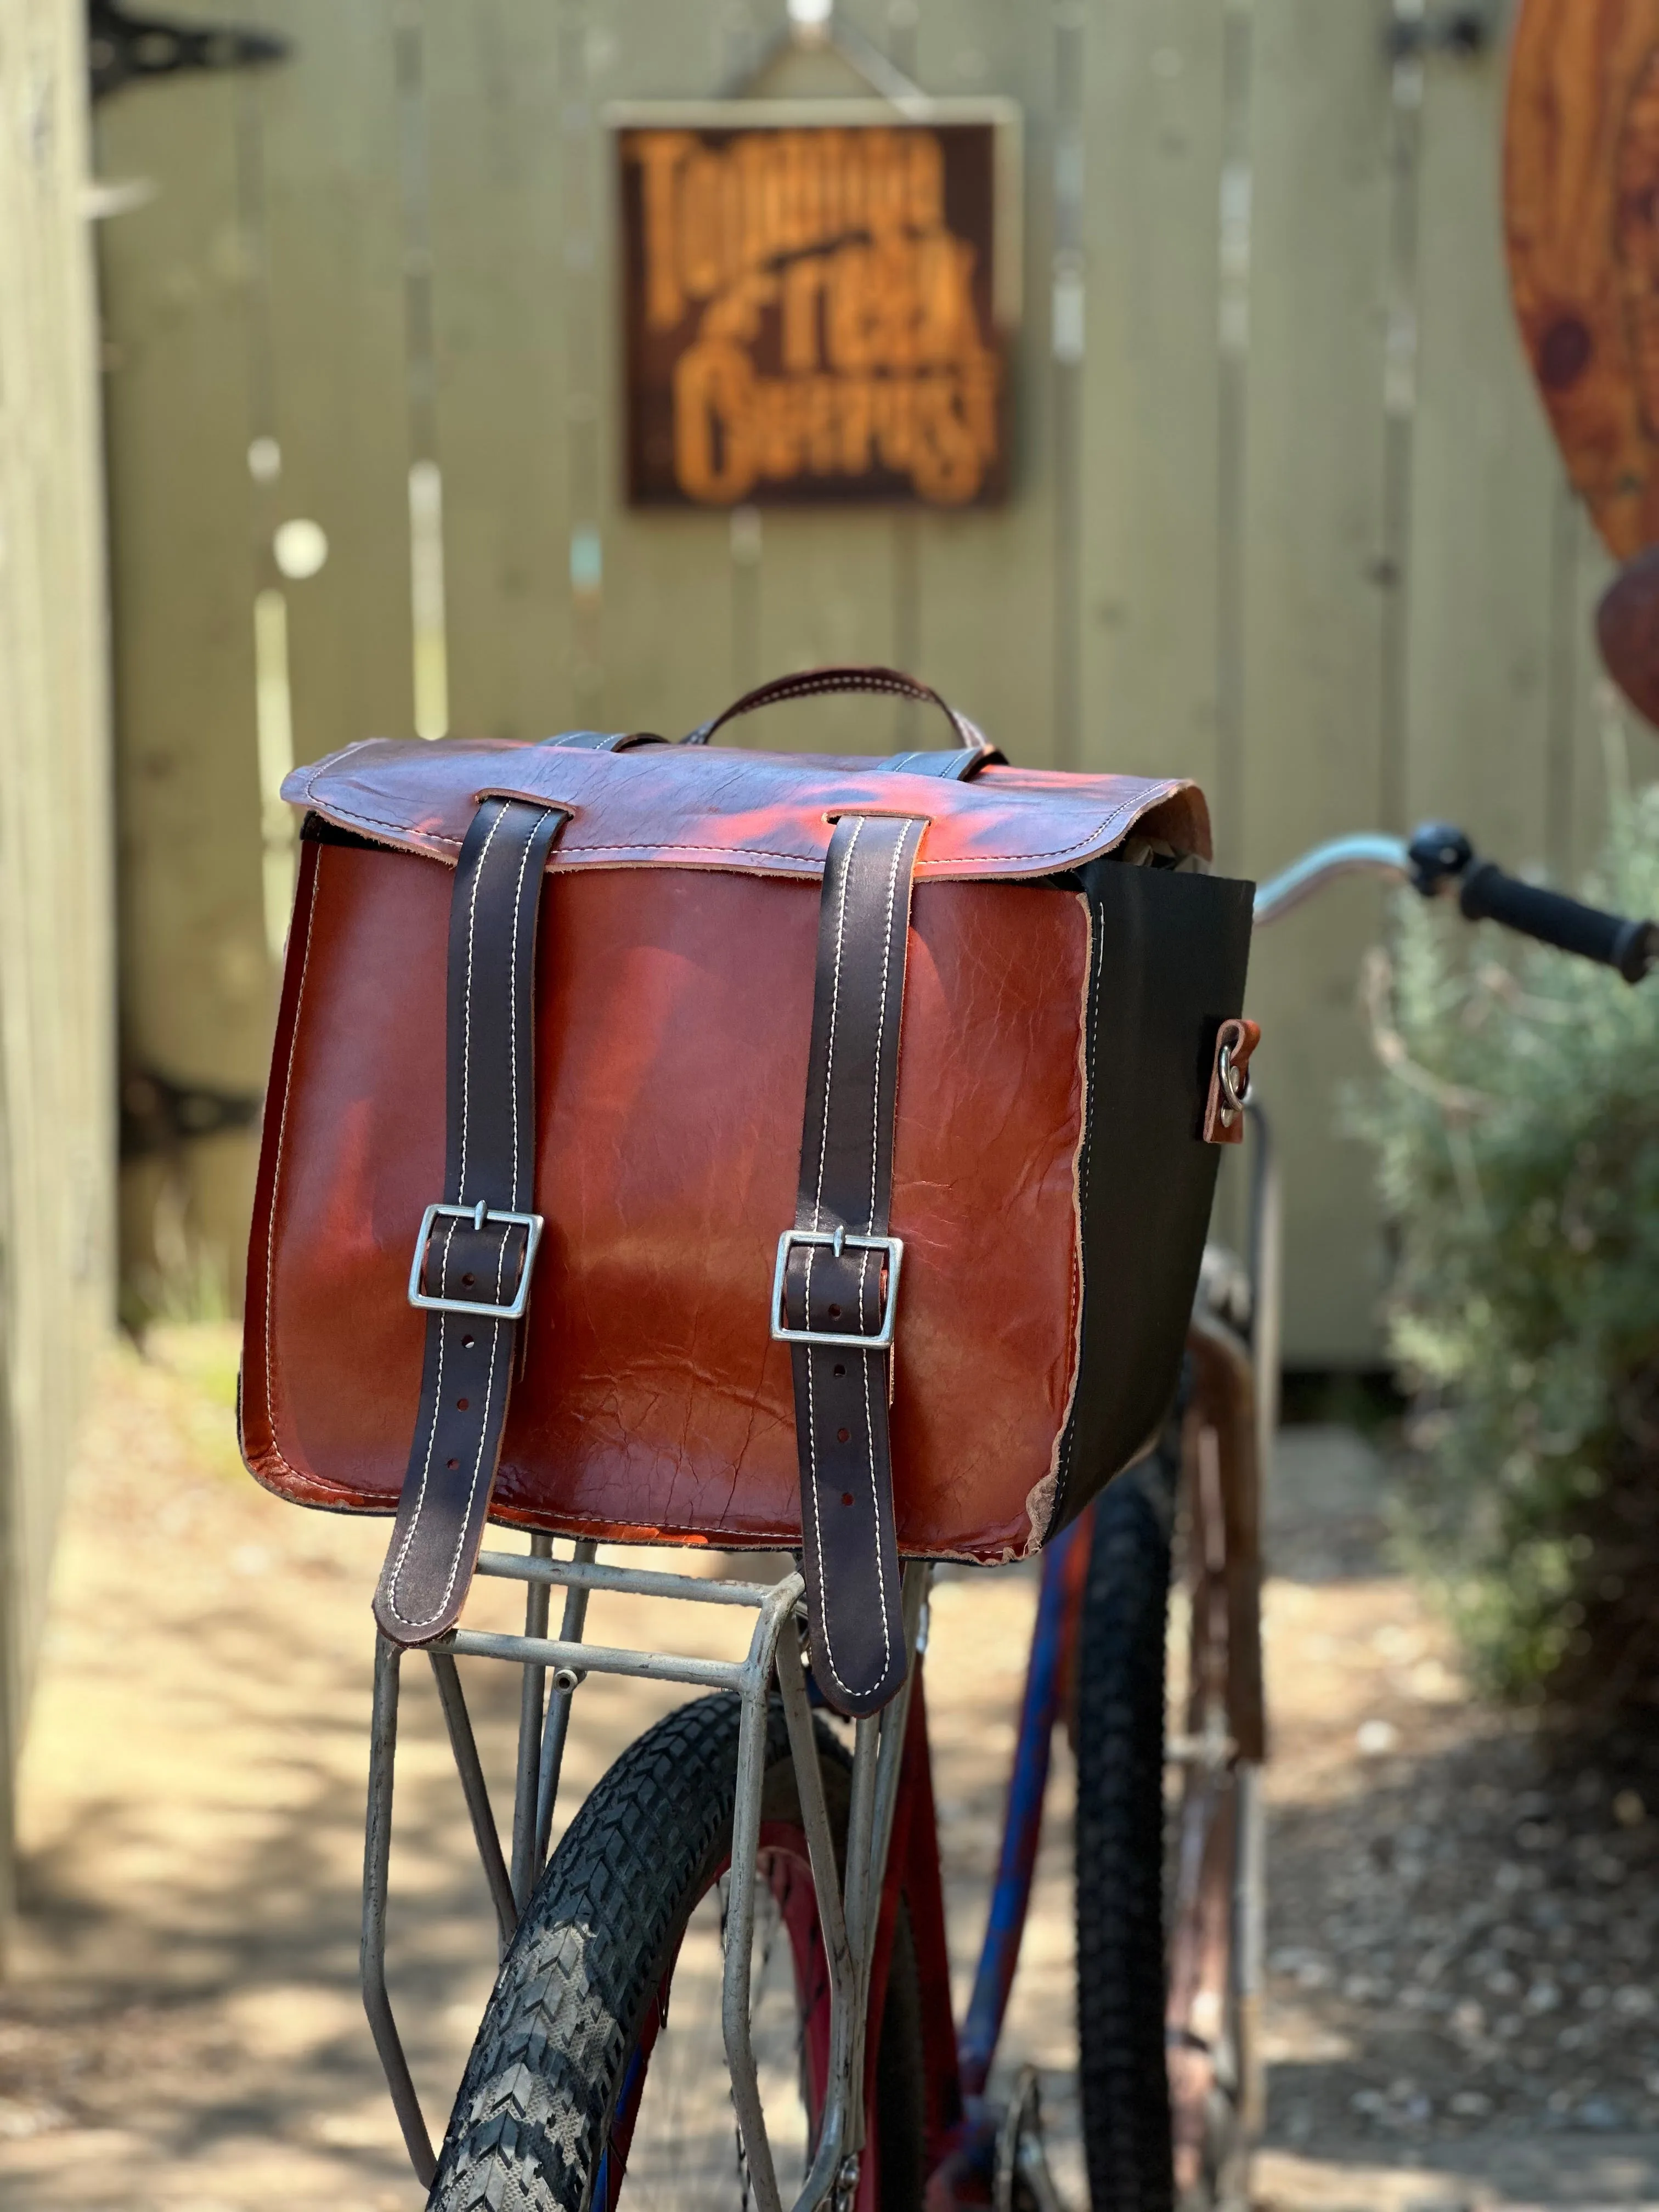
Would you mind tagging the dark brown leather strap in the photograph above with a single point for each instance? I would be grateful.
(840, 1269)
(817, 683)
(958, 767)
(477, 1245)
(604, 741)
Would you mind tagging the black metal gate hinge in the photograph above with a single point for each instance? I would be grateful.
(122, 48)
(1465, 30)
(158, 1116)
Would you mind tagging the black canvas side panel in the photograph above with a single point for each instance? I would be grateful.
(1169, 961)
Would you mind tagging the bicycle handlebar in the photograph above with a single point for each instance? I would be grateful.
(1488, 895)
(1364, 855)
(1440, 859)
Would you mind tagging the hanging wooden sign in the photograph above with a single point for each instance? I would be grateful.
(817, 301)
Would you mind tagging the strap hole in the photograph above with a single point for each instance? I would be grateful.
(835, 1313)
(840, 1370)
(453, 1463)
(460, 1404)
(847, 1497)
(843, 1435)
(469, 1280)
(467, 1343)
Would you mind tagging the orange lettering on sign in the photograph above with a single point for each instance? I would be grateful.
(829, 254)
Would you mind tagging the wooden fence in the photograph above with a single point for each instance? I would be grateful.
(56, 1016)
(1284, 514)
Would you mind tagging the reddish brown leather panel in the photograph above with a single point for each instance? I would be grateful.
(715, 808)
(674, 1011)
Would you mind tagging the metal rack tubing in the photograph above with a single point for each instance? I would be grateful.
(463, 1745)
(848, 1912)
(377, 1859)
(627, 1582)
(598, 1659)
(533, 1697)
(557, 1726)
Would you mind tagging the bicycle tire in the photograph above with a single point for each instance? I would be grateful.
(534, 2116)
(1122, 2068)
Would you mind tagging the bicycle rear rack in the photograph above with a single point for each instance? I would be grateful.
(848, 1914)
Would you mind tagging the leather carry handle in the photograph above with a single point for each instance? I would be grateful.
(819, 682)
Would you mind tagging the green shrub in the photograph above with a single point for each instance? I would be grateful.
(1517, 1129)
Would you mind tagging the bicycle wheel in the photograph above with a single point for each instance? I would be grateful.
(1163, 2055)
(587, 2086)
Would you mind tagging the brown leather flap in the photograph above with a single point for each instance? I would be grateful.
(763, 813)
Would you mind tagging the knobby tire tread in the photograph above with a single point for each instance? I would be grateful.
(1123, 2076)
(534, 2107)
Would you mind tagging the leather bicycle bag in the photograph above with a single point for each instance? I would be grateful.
(671, 1143)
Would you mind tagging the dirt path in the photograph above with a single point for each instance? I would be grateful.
(181, 2030)
(1462, 1946)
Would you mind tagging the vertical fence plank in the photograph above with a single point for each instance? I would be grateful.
(822, 587)
(673, 651)
(1483, 497)
(330, 339)
(492, 102)
(1313, 616)
(564, 608)
(984, 582)
(197, 983)
(1152, 155)
(56, 1086)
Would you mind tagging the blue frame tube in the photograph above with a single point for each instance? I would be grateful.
(1023, 1821)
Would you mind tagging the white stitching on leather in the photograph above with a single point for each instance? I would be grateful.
(392, 1578)
(512, 1002)
(466, 1002)
(829, 1054)
(867, 1358)
(968, 868)
(496, 1330)
(817, 1213)
(881, 1022)
(812, 1254)
(496, 1327)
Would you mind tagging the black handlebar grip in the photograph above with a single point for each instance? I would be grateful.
(1487, 894)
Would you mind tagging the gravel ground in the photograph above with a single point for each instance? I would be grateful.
(1464, 1920)
(1462, 1937)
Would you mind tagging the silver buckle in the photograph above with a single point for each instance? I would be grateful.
(478, 1215)
(838, 1239)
